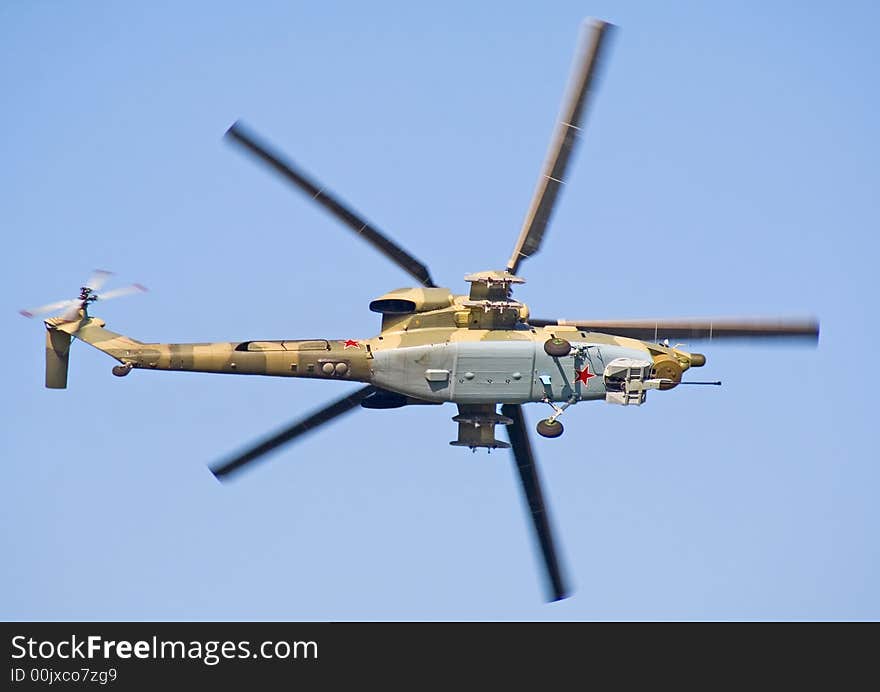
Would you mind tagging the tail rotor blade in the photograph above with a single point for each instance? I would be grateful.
(51, 307)
(72, 313)
(290, 433)
(531, 485)
(97, 279)
(119, 292)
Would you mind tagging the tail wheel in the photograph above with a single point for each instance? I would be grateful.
(122, 370)
(557, 348)
(549, 428)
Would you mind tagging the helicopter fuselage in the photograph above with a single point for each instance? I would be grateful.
(508, 366)
(426, 364)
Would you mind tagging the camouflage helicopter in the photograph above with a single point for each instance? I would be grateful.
(478, 351)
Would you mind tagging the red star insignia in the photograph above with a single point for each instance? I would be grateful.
(350, 343)
(584, 375)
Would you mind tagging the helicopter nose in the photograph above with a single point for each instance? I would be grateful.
(698, 360)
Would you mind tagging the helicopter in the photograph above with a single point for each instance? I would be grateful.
(479, 350)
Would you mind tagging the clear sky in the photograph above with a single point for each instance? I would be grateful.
(733, 146)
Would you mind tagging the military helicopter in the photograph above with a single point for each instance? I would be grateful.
(478, 351)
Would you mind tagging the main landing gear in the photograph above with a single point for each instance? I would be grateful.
(551, 427)
(122, 370)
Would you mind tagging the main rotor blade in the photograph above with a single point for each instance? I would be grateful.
(301, 427)
(563, 144)
(696, 329)
(238, 133)
(531, 485)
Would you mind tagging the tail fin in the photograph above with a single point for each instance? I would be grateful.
(57, 357)
(60, 331)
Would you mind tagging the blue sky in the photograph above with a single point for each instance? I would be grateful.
(733, 147)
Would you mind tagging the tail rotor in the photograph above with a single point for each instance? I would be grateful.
(60, 330)
(88, 293)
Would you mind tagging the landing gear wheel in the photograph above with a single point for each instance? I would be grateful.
(121, 370)
(549, 428)
(557, 348)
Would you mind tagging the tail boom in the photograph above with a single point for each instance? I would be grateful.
(316, 358)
